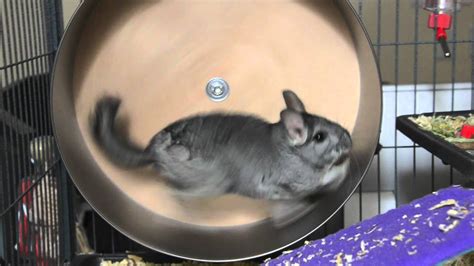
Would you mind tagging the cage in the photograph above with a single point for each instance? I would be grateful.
(45, 221)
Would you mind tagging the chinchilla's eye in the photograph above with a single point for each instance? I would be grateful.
(319, 137)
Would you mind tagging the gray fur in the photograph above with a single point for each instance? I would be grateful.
(215, 154)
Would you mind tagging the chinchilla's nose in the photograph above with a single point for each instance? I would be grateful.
(345, 141)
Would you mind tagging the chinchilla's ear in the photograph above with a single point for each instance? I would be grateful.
(293, 102)
(295, 126)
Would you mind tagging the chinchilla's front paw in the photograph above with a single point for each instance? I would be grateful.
(335, 176)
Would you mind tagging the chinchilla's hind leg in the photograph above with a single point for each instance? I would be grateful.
(286, 212)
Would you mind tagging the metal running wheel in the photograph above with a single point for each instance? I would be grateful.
(159, 57)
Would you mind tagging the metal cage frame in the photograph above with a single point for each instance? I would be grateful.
(30, 32)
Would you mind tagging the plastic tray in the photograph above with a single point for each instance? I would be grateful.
(462, 160)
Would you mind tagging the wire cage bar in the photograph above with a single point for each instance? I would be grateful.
(29, 163)
(416, 79)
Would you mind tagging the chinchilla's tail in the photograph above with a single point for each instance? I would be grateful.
(118, 149)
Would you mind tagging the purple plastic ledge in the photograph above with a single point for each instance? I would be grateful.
(419, 233)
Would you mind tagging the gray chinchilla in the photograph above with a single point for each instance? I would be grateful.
(215, 154)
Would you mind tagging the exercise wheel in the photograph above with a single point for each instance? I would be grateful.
(172, 58)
